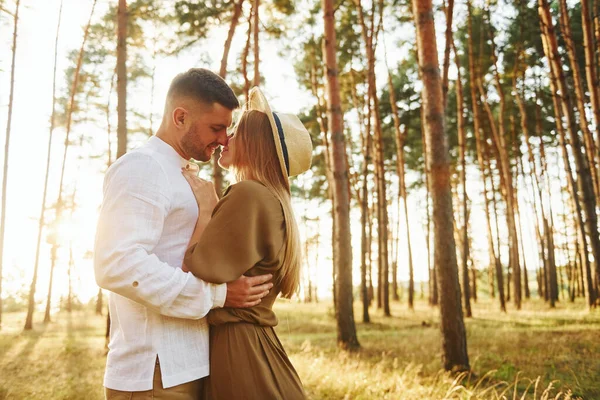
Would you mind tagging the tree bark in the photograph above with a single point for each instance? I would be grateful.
(369, 34)
(59, 201)
(551, 271)
(462, 139)
(53, 251)
(588, 139)
(256, 28)
(494, 259)
(122, 17)
(7, 144)
(584, 182)
(591, 68)
(346, 328)
(245, 59)
(449, 12)
(217, 174)
(366, 145)
(454, 340)
(401, 167)
(501, 147)
(41, 223)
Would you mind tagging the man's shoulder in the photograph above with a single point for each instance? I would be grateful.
(141, 158)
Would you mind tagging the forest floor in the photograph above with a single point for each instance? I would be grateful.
(535, 353)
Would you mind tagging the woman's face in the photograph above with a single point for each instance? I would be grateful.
(227, 152)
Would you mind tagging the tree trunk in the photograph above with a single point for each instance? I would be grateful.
(217, 174)
(245, 54)
(520, 224)
(454, 342)
(368, 35)
(99, 302)
(494, 259)
(558, 81)
(366, 144)
(501, 147)
(449, 12)
(433, 277)
(401, 167)
(490, 173)
(462, 139)
(32, 288)
(53, 251)
(591, 67)
(7, 145)
(108, 126)
(256, 28)
(551, 276)
(59, 201)
(577, 80)
(122, 17)
(346, 328)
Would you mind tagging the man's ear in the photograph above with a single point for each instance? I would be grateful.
(180, 117)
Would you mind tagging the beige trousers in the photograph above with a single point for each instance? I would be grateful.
(187, 391)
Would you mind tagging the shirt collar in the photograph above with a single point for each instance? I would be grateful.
(166, 150)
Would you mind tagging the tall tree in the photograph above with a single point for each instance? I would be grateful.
(582, 164)
(591, 66)
(462, 145)
(494, 256)
(346, 328)
(256, 30)
(369, 34)
(122, 18)
(41, 223)
(60, 202)
(401, 167)
(503, 161)
(577, 80)
(454, 338)
(235, 17)
(7, 144)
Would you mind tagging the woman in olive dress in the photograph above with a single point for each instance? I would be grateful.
(253, 232)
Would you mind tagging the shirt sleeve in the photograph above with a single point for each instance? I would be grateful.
(136, 203)
(246, 227)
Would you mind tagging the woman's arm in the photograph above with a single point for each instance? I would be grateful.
(246, 224)
(206, 197)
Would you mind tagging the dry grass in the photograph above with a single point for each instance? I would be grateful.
(532, 354)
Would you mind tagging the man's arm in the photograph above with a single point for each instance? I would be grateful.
(136, 203)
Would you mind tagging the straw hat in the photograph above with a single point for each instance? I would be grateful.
(292, 140)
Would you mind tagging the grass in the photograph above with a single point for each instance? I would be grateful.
(535, 353)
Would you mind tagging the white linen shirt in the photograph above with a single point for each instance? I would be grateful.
(147, 218)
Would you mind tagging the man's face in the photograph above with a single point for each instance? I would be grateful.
(208, 129)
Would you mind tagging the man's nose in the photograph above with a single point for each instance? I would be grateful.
(223, 139)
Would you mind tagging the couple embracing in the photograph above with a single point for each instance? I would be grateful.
(192, 278)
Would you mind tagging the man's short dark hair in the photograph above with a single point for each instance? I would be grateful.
(205, 86)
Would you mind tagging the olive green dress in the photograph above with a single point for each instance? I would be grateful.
(245, 237)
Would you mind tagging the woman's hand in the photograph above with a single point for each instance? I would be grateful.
(206, 197)
(204, 192)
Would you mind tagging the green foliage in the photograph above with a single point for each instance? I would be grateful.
(198, 17)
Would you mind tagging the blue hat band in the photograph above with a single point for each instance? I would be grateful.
(283, 144)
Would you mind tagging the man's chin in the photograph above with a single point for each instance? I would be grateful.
(203, 157)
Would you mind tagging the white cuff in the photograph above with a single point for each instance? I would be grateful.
(219, 293)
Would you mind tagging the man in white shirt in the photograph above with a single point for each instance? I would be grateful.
(159, 337)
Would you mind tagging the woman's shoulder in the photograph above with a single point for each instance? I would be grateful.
(251, 192)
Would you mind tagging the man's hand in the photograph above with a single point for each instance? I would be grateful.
(247, 291)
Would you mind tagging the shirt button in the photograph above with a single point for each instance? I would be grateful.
(135, 284)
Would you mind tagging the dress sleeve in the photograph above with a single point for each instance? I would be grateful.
(246, 227)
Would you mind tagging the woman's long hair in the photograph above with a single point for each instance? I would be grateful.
(255, 157)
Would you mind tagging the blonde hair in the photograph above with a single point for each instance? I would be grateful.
(255, 157)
